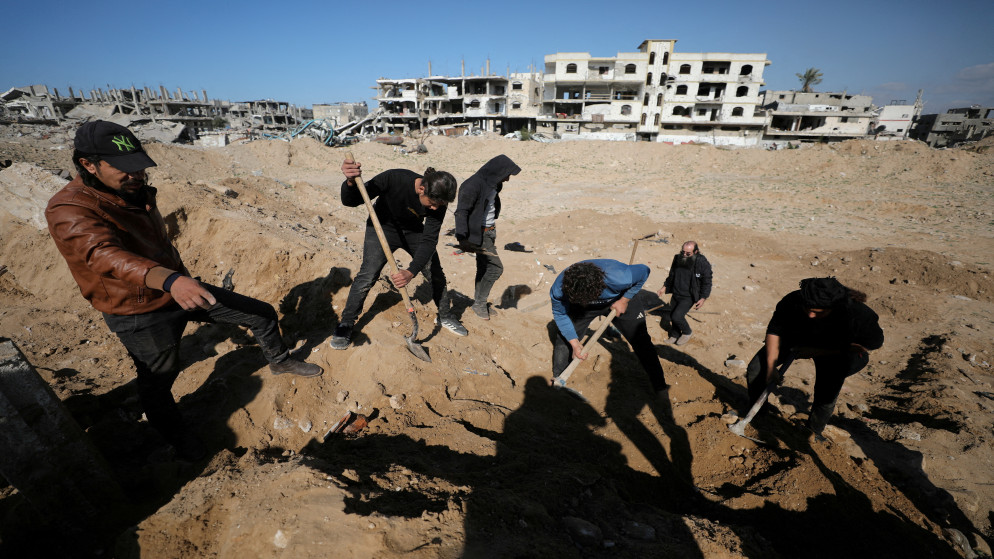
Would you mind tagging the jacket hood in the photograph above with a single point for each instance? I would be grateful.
(497, 169)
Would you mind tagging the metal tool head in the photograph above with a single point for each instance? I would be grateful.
(739, 428)
(560, 384)
(413, 346)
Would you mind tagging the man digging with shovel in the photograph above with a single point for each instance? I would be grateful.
(824, 321)
(592, 288)
(410, 208)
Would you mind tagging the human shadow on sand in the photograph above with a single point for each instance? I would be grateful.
(553, 489)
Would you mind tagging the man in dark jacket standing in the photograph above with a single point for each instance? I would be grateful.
(828, 323)
(689, 282)
(476, 230)
(108, 228)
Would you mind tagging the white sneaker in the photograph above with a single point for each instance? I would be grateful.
(453, 325)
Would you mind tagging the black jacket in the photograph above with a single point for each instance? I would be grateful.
(850, 323)
(472, 209)
(700, 281)
(398, 206)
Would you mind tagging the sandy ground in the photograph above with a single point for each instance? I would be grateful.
(473, 455)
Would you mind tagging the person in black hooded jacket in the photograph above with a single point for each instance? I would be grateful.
(476, 230)
(828, 323)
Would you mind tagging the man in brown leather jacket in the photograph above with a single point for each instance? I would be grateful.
(107, 226)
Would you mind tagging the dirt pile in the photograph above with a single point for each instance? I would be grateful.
(473, 455)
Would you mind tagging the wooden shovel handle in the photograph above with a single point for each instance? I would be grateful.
(379, 233)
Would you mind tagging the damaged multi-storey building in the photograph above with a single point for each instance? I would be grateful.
(179, 115)
(654, 94)
(955, 126)
(339, 114)
(487, 101)
(810, 116)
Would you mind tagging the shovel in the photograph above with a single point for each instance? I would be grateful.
(412, 346)
(560, 381)
(739, 426)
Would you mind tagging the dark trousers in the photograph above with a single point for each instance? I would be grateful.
(373, 261)
(632, 327)
(831, 371)
(679, 307)
(488, 268)
(152, 340)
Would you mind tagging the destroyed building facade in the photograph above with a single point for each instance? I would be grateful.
(800, 116)
(192, 113)
(488, 101)
(338, 114)
(955, 126)
(655, 94)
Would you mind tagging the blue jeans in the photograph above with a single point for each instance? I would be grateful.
(373, 261)
(152, 340)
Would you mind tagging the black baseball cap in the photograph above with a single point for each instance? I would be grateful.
(114, 143)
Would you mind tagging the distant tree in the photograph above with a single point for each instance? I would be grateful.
(810, 77)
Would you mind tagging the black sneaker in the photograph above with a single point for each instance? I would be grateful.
(294, 367)
(342, 337)
(481, 310)
(453, 325)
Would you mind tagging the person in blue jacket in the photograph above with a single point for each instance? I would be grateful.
(591, 288)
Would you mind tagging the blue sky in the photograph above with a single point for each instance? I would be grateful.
(322, 52)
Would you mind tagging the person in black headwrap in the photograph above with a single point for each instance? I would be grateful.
(824, 321)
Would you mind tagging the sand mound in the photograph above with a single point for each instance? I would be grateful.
(473, 455)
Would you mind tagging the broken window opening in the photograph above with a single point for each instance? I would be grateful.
(746, 70)
(742, 91)
(655, 120)
(626, 109)
(629, 68)
(648, 79)
(571, 68)
(685, 68)
(652, 58)
(643, 119)
(737, 111)
(659, 100)
(681, 90)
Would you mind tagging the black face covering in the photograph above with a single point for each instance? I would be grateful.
(138, 198)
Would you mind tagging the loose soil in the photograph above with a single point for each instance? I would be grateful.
(473, 455)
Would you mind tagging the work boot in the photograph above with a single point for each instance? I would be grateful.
(294, 367)
(683, 339)
(342, 337)
(481, 310)
(453, 325)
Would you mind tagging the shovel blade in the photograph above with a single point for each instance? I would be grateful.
(417, 350)
(413, 346)
(739, 428)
